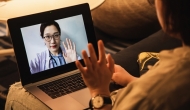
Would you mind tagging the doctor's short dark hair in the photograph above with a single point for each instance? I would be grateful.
(44, 25)
(176, 18)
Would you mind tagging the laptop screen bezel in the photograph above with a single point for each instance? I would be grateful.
(15, 25)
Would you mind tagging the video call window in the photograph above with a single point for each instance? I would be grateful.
(54, 43)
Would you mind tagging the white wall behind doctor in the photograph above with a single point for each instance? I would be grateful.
(72, 28)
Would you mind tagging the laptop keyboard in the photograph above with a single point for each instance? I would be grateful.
(63, 86)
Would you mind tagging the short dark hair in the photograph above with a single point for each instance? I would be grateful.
(44, 25)
(176, 17)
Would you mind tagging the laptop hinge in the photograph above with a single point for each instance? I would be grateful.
(53, 78)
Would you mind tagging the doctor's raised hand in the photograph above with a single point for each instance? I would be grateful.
(70, 54)
(98, 71)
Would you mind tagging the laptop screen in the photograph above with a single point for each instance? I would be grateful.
(55, 43)
(46, 44)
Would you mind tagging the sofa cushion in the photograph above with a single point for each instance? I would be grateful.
(126, 19)
(156, 42)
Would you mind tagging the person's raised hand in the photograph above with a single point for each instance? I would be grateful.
(121, 76)
(70, 54)
(97, 73)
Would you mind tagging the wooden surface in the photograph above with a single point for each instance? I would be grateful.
(5, 52)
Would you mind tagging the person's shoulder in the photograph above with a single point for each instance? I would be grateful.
(177, 53)
(43, 53)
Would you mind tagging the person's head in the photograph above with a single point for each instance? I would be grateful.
(174, 17)
(51, 32)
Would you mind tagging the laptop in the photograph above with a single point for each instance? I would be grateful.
(54, 80)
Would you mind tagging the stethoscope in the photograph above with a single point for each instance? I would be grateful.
(51, 58)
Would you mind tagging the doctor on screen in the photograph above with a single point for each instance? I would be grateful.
(53, 56)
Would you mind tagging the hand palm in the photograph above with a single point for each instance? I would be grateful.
(121, 76)
(70, 52)
(97, 74)
(70, 55)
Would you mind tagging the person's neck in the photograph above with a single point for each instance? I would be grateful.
(179, 37)
(183, 44)
(55, 53)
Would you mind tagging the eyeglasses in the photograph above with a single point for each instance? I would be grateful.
(152, 2)
(55, 36)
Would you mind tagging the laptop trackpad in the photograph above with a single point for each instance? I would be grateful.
(82, 96)
(64, 103)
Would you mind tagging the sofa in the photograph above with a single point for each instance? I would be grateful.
(132, 22)
(134, 25)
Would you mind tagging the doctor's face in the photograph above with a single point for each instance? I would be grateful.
(52, 39)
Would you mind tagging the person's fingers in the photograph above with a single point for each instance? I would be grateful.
(64, 45)
(74, 48)
(68, 44)
(106, 57)
(79, 66)
(102, 57)
(93, 57)
(64, 55)
(86, 60)
(110, 63)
